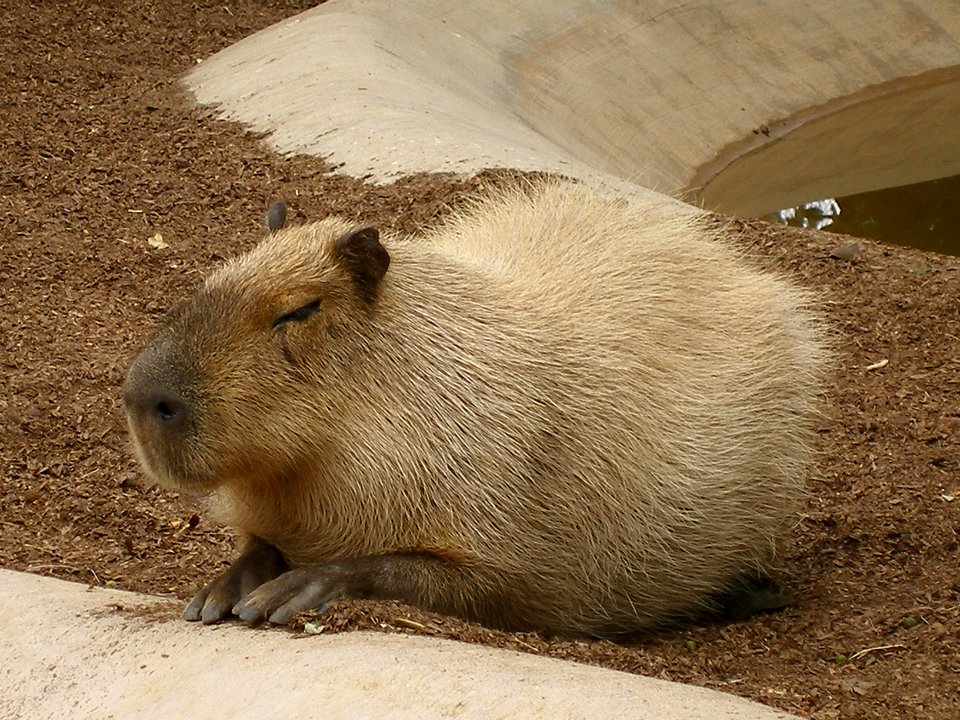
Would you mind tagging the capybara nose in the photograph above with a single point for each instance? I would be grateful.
(153, 394)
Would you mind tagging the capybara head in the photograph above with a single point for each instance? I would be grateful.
(210, 395)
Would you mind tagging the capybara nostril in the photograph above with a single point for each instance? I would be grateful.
(162, 410)
(168, 410)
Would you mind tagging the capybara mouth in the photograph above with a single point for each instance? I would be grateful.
(167, 460)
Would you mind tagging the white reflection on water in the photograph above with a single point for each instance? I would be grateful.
(925, 215)
(817, 214)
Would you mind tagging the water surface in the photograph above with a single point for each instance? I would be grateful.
(924, 215)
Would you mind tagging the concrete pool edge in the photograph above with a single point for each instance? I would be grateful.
(69, 650)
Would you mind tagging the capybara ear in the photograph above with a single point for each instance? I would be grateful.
(361, 254)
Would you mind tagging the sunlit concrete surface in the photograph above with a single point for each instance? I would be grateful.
(668, 94)
(71, 652)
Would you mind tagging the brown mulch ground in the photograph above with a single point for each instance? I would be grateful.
(99, 152)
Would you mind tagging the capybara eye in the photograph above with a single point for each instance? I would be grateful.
(301, 313)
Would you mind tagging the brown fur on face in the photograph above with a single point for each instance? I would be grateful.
(594, 411)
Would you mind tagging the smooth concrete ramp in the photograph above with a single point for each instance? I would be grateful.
(667, 94)
(92, 653)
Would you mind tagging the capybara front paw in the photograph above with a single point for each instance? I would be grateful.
(259, 563)
(293, 592)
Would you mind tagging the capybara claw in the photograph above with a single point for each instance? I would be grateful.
(249, 613)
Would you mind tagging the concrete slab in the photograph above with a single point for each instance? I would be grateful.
(667, 94)
(69, 651)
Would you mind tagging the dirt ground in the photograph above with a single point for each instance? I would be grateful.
(101, 154)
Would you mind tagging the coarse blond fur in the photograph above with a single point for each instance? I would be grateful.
(593, 405)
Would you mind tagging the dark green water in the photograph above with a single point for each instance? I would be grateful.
(924, 215)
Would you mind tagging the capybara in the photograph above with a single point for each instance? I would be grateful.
(562, 410)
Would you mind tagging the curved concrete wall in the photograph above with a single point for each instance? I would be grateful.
(665, 93)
